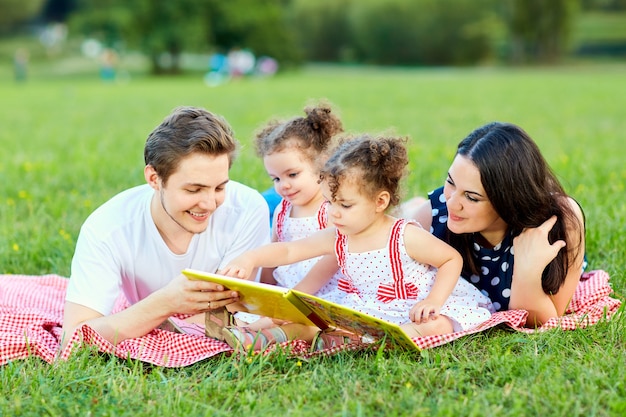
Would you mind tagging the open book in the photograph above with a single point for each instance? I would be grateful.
(296, 306)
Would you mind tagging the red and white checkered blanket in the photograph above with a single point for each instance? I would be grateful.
(31, 312)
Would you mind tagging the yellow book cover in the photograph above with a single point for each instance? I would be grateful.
(296, 306)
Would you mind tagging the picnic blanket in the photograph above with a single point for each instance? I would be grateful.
(31, 313)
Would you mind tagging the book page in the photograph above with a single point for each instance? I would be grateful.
(354, 321)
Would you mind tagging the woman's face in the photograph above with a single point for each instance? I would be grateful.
(469, 208)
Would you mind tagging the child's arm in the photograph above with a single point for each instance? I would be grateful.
(428, 249)
(267, 274)
(319, 275)
(281, 253)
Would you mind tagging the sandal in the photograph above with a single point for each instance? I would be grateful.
(177, 325)
(215, 321)
(169, 326)
(334, 338)
(245, 339)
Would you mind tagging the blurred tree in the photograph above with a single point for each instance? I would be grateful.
(258, 25)
(57, 10)
(609, 5)
(161, 29)
(164, 29)
(423, 32)
(323, 29)
(540, 29)
(15, 12)
(397, 32)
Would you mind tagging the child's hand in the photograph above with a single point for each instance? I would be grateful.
(423, 311)
(238, 268)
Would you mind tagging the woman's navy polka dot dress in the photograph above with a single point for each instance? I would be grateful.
(496, 263)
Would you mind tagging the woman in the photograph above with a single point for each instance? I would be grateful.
(502, 201)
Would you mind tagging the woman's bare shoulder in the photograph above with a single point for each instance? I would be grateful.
(419, 209)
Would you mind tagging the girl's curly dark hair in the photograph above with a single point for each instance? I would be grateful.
(312, 134)
(376, 163)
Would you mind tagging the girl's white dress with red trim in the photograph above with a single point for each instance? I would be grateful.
(293, 228)
(386, 283)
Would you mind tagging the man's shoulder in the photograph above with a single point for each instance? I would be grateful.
(126, 207)
(242, 203)
(240, 195)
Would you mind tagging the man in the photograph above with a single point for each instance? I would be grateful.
(188, 215)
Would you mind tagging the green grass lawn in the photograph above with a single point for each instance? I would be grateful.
(70, 143)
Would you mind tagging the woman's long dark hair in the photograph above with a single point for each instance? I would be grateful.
(524, 192)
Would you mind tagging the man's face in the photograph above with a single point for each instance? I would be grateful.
(192, 193)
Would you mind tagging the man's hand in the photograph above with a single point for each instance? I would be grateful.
(186, 296)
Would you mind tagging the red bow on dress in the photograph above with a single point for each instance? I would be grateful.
(347, 285)
(400, 290)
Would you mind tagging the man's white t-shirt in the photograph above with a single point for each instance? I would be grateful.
(119, 248)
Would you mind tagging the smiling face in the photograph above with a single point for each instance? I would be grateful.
(469, 208)
(295, 177)
(192, 193)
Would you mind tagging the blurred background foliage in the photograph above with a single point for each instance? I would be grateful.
(165, 35)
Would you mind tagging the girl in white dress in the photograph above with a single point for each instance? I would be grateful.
(393, 269)
(293, 153)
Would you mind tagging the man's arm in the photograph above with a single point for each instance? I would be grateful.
(126, 324)
(180, 296)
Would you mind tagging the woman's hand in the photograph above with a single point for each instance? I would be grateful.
(532, 248)
(533, 252)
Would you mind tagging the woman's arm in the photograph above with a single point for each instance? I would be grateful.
(533, 253)
(419, 209)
